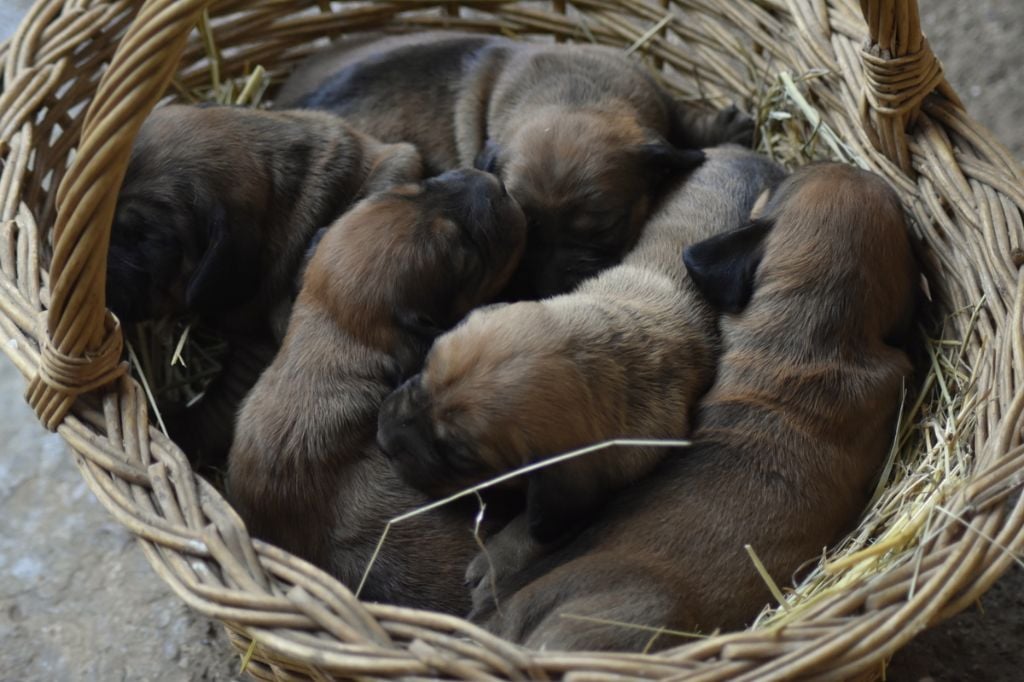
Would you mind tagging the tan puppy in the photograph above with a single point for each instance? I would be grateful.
(304, 470)
(582, 135)
(626, 355)
(213, 219)
(820, 296)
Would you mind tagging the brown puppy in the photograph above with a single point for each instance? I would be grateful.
(213, 219)
(819, 296)
(626, 355)
(304, 471)
(583, 136)
(219, 203)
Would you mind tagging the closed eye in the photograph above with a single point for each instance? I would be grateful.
(599, 224)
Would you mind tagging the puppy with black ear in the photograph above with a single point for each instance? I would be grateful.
(626, 355)
(818, 296)
(582, 135)
(304, 471)
(214, 216)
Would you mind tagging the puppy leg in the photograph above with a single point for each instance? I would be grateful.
(281, 311)
(562, 498)
(697, 128)
(504, 556)
(599, 602)
(626, 618)
(204, 431)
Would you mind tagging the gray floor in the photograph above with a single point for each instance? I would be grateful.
(79, 602)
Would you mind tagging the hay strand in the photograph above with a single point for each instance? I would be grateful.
(508, 476)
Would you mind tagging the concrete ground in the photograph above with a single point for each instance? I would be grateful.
(79, 602)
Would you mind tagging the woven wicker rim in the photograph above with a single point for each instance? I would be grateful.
(80, 76)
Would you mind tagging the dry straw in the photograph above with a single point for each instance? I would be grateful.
(828, 79)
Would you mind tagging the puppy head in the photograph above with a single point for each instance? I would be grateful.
(492, 396)
(173, 243)
(832, 240)
(585, 180)
(407, 263)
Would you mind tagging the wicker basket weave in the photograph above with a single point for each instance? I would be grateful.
(80, 76)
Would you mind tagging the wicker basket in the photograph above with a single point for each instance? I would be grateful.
(81, 75)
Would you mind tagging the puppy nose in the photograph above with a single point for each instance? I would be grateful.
(409, 444)
(393, 432)
(400, 423)
(393, 438)
(487, 184)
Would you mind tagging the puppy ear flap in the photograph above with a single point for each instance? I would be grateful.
(227, 274)
(398, 164)
(723, 267)
(487, 159)
(662, 158)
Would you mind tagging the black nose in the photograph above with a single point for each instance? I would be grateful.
(389, 428)
(486, 184)
(403, 427)
(409, 444)
(470, 181)
(396, 439)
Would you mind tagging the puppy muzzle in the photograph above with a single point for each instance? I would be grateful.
(406, 435)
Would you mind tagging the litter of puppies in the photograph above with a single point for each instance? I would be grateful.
(614, 267)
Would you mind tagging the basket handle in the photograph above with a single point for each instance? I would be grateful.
(900, 70)
(80, 340)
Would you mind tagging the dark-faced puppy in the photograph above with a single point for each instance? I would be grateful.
(219, 204)
(304, 470)
(213, 219)
(626, 355)
(818, 294)
(583, 136)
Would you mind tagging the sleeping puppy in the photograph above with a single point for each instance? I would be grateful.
(626, 355)
(219, 204)
(304, 471)
(818, 298)
(584, 137)
(214, 216)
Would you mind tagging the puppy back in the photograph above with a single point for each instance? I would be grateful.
(714, 198)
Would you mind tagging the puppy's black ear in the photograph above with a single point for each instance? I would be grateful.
(662, 158)
(487, 159)
(723, 267)
(228, 273)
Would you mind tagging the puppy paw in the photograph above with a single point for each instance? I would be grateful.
(482, 581)
(479, 569)
(506, 555)
(696, 127)
(734, 126)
